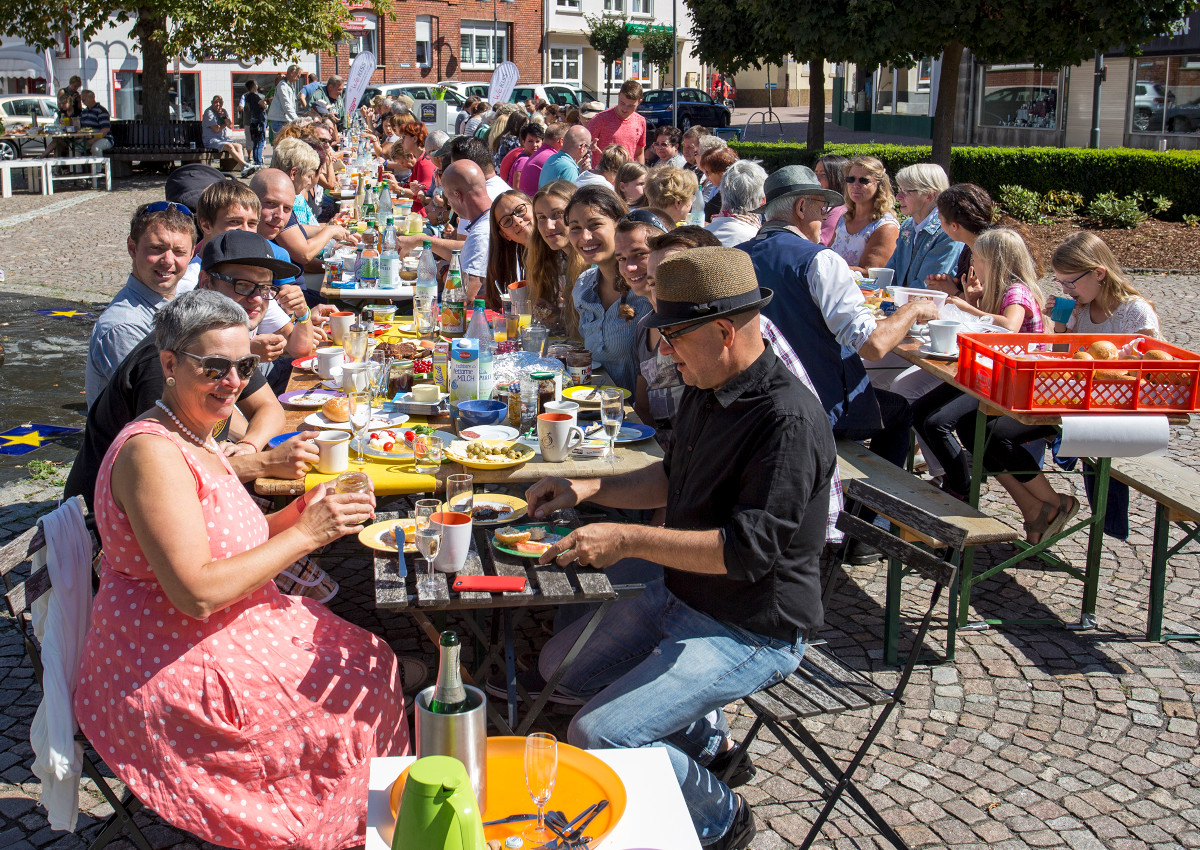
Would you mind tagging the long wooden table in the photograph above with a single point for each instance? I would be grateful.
(947, 371)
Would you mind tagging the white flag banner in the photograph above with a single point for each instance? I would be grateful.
(504, 80)
(357, 79)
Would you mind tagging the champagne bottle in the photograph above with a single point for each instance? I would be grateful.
(449, 695)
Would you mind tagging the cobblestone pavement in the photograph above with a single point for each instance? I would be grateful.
(1037, 736)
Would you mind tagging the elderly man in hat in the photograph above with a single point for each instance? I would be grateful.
(745, 485)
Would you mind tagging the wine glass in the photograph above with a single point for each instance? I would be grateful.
(541, 770)
(460, 493)
(612, 414)
(360, 415)
(429, 539)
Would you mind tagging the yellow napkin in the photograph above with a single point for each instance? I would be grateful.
(394, 334)
(389, 478)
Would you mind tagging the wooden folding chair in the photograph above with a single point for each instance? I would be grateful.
(823, 685)
(20, 596)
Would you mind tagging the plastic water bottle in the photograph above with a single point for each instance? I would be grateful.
(368, 267)
(453, 306)
(425, 295)
(696, 215)
(479, 328)
(389, 258)
(385, 201)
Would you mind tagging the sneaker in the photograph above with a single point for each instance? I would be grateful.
(245, 172)
(744, 773)
(532, 682)
(860, 554)
(741, 833)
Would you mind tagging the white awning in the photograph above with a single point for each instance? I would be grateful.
(21, 61)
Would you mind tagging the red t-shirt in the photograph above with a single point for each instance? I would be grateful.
(506, 164)
(422, 173)
(609, 128)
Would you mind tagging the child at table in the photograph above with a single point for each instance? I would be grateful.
(945, 417)
(1105, 300)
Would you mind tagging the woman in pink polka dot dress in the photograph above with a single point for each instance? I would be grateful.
(242, 715)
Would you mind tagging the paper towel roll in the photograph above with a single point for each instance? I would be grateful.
(1114, 435)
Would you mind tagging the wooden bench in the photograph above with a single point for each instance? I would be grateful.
(926, 514)
(36, 174)
(1175, 488)
(144, 141)
(99, 169)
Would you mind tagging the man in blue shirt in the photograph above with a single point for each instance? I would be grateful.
(564, 165)
(95, 118)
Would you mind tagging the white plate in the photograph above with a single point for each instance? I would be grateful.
(320, 420)
(491, 432)
(926, 351)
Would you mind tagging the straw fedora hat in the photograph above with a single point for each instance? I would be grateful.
(796, 180)
(705, 283)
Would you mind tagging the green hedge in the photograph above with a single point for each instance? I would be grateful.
(1174, 174)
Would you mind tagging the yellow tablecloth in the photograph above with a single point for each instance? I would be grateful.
(389, 478)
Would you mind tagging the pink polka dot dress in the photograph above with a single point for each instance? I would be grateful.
(253, 728)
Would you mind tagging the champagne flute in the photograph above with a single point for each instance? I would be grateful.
(360, 415)
(429, 539)
(612, 414)
(541, 770)
(460, 493)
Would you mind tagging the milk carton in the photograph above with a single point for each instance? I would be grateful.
(471, 375)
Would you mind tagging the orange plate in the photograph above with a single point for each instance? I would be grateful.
(582, 780)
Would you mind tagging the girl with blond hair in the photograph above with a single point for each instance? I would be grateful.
(865, 235)
(1105, 300)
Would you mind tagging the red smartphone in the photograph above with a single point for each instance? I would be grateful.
(490, 584)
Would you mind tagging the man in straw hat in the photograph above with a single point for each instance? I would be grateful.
(745, 485)
(822, 313)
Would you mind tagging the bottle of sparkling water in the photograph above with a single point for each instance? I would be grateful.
(454, 308)
(368, 267)
(449, 695)
(426, 293)
(389, 257)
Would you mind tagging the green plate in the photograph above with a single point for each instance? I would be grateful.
(561, 531)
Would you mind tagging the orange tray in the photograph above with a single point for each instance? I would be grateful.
(1037, 373)
(582, 780)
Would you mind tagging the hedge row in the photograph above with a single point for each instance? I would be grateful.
(1174, 174)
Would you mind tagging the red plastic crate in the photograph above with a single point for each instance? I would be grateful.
(1037, 373)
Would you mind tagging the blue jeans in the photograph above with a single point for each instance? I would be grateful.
(657, 673)
(257, 136)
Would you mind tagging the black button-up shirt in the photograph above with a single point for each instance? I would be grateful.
(754, 458)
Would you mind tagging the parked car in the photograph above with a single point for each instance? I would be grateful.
(1149, 98)
(556, 93)
(695, 107)
(17, 110)
(1018, 106)
(467, 89)
(417, 91)
(1179, 118)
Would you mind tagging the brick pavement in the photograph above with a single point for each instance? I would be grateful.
(1035, 736)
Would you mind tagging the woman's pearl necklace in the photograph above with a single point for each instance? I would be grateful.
(209, 444)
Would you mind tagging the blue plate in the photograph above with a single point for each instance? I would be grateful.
(283, 438)
(632, 432)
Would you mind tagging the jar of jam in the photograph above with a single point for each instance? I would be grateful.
(547, 389)
(400, 377)
(579, 366)
(352, 482)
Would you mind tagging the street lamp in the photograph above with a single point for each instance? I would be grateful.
(495, 30)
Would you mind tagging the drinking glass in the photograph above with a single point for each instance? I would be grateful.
(460, 493)
(429, 539)
(427, 453)
(379, 366)
(360, 415)
(541, 770)
(354, 343)
(534, 339)
(612, 414)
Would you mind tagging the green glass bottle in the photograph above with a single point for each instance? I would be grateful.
(449, 695)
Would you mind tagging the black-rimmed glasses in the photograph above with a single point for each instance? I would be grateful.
(246, 288)
(668, 337)
(520, 210)
(1070, 284)
(216, 366)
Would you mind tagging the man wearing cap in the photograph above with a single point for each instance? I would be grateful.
(246, 259)
(745, 484)
(823, 315)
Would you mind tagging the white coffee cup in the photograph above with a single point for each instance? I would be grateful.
(356, 377)
(570, 408)
(943, 336)
(456, 540)
(557, 436)
(333, 452)
(329, 359)
(883, 277)
(339, 323)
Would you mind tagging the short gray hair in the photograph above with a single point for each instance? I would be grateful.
(436, 140)
(742, 186)
(183, 319)
(711, 143)
(923, 177)
(779, 209)
(336, 79)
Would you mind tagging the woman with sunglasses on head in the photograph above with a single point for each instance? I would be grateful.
(512, 225)
(830, 170)
(188, 606)
(608, 310)
(553, 261)
(865, 236)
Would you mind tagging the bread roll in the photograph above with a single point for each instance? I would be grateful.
(511, 537)
(1157, 354)
(1083, 355)
(1102, 349)
(337, 409)
(1110, 375)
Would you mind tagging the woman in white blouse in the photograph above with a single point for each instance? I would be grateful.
(866, 235)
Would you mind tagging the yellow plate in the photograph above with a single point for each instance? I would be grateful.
(582, 780)
(372, 535)
(516, 507)
(471, 463)
(579, 394)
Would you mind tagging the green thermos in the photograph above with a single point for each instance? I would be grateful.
(438, 810)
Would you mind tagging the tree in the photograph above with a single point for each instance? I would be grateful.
(608, 36)
(869, 33)
(165, 29)
(658, 48)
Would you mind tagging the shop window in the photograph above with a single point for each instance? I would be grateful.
(1166, 95)
(1019, 96)
(184, 100)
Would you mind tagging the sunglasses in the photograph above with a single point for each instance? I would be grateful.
(668, 337)
(866, 181)
(519, 211)
(161, 206)
(246, 288)
(644, 216)
(216, 366)
(1070, 284)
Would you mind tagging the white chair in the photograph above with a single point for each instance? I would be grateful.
(36, 174)
(99, 169)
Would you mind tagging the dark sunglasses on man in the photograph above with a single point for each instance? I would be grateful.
(216, 366)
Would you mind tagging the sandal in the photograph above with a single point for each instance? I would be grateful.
(1040, 525)
(1068, 506)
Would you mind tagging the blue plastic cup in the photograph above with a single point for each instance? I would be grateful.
(1063, 308)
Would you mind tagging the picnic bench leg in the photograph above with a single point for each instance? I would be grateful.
(1158, 572)
(510, 667)
(891, 614)
(1091, 581)
(966, 575)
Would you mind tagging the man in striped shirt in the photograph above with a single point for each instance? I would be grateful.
(95, 118)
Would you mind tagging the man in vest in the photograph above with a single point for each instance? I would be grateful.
(824, 317)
